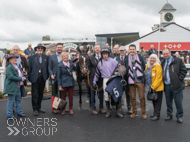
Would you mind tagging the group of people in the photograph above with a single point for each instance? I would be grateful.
(166, 76)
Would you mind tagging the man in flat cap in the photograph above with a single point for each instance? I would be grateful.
(29, 51)
(121, 59)
(38, 74)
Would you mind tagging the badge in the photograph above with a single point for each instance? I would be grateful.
(134, 68)
(153, 74)
(39, 71)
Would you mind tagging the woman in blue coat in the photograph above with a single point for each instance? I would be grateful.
(66, 80)
(13, 86)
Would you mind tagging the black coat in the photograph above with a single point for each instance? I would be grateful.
(151, 51)
(142, 67)
(177, 73)
(93, 62)
(34, 68)
(52, 66)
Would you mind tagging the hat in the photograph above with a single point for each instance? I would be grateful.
(11, 56)
(40, 45)
(29, 44)
(121, 48)
(142, 47)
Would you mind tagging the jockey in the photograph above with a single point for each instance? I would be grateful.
(105, 69)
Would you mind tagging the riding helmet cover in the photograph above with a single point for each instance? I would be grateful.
(104, 50)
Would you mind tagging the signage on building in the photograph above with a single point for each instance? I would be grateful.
(70, 45)
(171, 45)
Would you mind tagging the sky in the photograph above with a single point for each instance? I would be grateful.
(26, 21)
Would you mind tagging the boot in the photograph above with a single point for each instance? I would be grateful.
(108, 109)
(118, 110)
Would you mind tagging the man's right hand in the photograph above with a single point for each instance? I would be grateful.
(52, 76)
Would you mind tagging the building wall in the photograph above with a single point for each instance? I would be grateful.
(173, 33)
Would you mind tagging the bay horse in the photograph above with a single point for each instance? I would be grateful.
(82, 70)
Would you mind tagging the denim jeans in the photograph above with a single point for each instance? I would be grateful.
(178, 98)
(14, 99)
(93, 93)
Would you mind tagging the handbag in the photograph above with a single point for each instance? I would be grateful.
(59, 103)
(152, 95)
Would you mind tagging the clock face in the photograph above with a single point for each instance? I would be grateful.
(168, 17)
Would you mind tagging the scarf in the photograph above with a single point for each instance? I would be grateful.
(19, 62)
(19, 75)
(67, 65)
(137, 66)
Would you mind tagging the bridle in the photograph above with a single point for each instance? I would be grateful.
(84, 65)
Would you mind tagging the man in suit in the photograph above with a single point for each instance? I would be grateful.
(135, 78)
(174, 72)
(93, 61)
(52, 68)
(38, 74)
(121, 59)
(115, 51)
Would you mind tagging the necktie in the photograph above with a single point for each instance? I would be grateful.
(133, 59)
(121, 60)
(40, 59)
(98, 58)
(165, 71)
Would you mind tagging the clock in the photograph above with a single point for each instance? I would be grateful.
(168, 17)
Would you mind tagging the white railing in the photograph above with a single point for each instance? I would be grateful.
(2, 77)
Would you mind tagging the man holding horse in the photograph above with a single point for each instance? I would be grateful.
(105, 69)
(93, 61)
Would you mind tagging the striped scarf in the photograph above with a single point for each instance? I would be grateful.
(137, 66)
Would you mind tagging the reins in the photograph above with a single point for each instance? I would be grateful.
(91, 86)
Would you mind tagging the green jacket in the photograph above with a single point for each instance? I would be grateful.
(11, 80)
(142, 53)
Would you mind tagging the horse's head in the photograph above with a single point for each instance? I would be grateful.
(83, 61)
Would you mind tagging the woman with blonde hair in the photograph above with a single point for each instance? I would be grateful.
(65, 79)
(154, 82)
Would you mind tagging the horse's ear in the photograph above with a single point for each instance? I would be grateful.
(87, 49)
(78, 49)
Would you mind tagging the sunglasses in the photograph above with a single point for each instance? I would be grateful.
(40, 47)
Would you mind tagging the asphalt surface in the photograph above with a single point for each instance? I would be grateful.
(86, 127)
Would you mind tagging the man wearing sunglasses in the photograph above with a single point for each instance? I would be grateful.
(38, 74)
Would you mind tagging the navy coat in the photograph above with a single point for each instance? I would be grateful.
(34, 68)
(65, 79)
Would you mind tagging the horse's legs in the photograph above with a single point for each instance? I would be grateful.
(89, 94)
(80, 93)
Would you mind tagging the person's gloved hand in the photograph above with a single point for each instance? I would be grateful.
(94, 85)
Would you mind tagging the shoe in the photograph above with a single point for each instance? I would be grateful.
(55, 111)
(71, 112)
(151, 116)
(108, 114)
(22, 115)
(102, 111)
(155, 118)
(94, 112)
(41, 110)
(179, 120)
(144, 116)
(133, 115)
(36, 113)
(63, 112)
(168, 118)
(129, 111)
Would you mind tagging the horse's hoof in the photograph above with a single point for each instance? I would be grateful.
(80, 108)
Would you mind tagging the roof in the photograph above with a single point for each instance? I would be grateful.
(116, 34)
(158, 29)
(167, 6)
